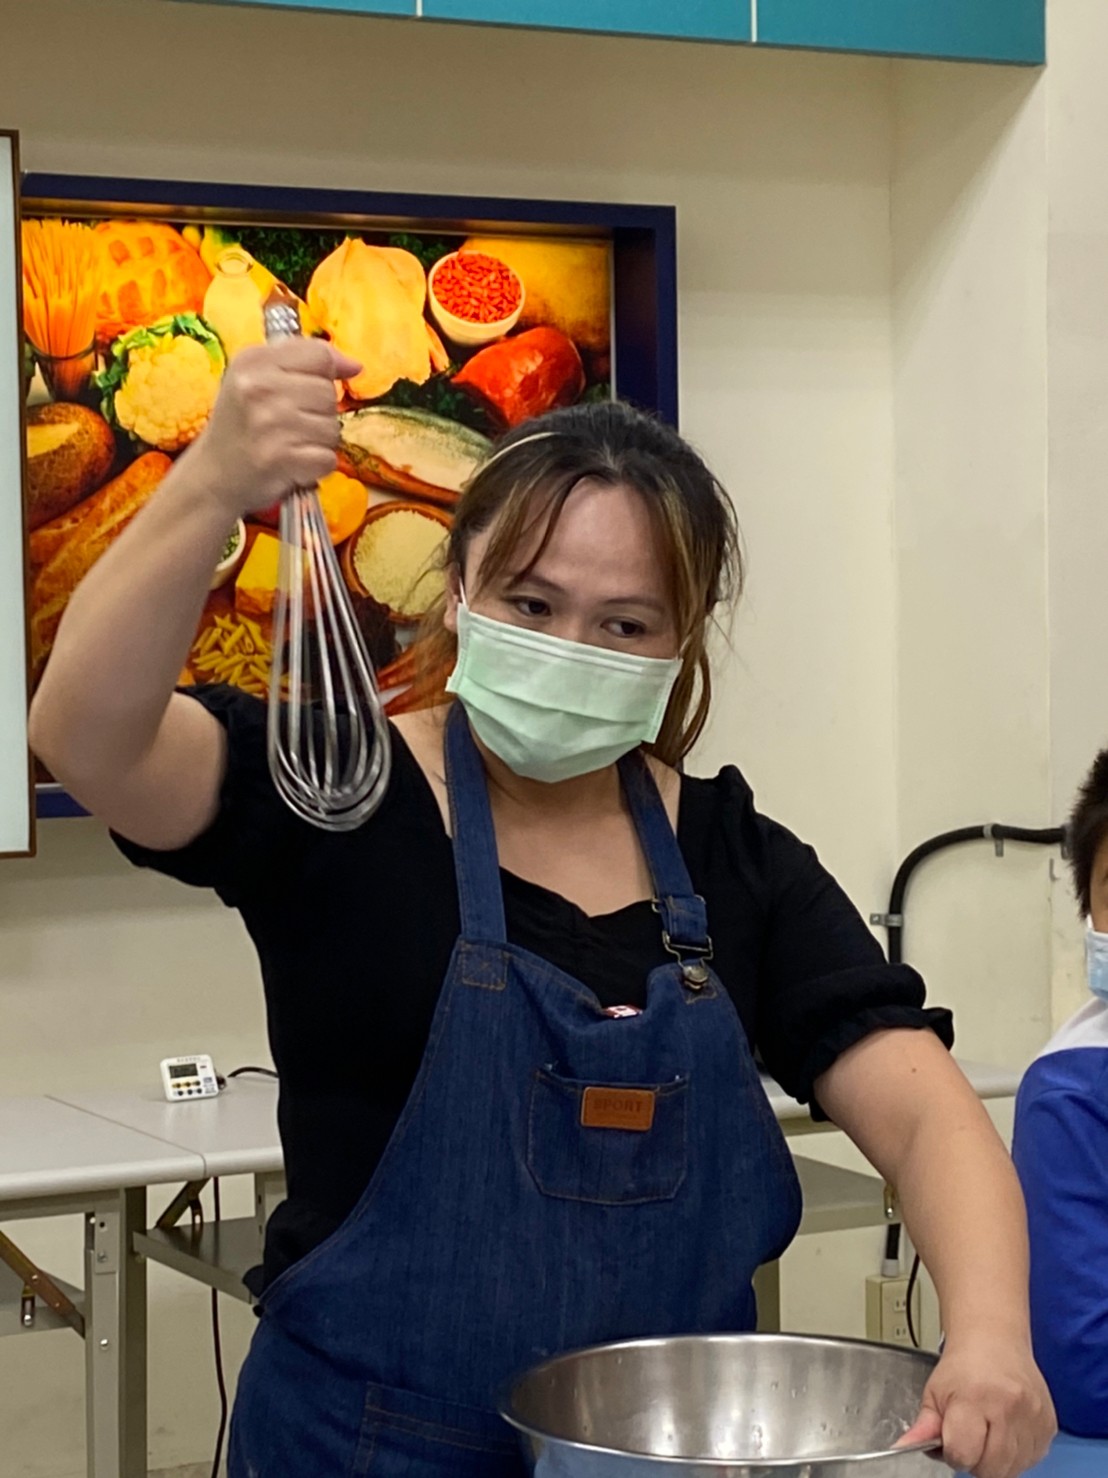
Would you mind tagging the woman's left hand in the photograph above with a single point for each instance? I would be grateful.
(989, 1405)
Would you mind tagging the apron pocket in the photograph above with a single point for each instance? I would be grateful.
(574, 1159)
(408, 1435)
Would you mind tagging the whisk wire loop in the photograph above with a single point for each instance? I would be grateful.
(327, 737)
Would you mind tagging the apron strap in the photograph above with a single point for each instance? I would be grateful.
(480, 896)
(683, 912)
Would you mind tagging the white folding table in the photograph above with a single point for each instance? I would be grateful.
(56, 1160)
(234, 1134)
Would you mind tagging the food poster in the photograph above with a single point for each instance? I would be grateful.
(129, 325)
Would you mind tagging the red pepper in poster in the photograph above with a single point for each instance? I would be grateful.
(525, 376)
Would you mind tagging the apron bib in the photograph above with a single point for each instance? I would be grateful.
(558, 1178)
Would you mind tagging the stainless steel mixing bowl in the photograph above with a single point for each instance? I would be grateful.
(744, 1405)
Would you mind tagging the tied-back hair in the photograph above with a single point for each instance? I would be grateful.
(523, 486)
(1088, 826)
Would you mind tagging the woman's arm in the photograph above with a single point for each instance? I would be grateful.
(105, 719)
(903, 1101)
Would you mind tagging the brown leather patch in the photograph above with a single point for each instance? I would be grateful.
(617, 1108)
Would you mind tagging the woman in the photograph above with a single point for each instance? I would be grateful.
(519, 1104)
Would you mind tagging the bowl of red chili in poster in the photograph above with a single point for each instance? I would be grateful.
(475, 298)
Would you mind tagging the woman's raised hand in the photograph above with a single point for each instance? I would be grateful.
(274, 426)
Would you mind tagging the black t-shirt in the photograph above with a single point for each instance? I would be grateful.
(354, 933)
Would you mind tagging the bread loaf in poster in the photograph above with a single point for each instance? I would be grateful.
(63, 551)
(70, 451)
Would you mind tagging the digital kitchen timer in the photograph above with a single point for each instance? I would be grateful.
(189, 1077)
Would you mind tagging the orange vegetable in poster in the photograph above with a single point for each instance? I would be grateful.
(62, 266)
(370, 300)
(150, 271)
(525, 376)
(343, 500)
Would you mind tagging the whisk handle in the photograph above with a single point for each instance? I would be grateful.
(280, 315)
(281, 320)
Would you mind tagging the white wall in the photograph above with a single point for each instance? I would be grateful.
(1077, 124)
(969, 213)
(1000, 322)
(863, 310)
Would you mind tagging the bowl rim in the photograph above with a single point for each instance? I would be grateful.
(758, 1464)
(473, 323)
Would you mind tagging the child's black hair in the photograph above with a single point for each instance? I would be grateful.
(1087, 829)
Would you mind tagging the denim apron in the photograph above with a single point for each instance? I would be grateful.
(558, 1177)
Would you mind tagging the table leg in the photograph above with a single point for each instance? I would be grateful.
(269, 1192)
(115, 1337)
(767, 1290)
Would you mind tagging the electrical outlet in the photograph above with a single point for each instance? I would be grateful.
(887, 1310)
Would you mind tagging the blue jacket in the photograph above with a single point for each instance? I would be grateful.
(1061, 1152)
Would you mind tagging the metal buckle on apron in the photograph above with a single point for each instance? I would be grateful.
(694, 971)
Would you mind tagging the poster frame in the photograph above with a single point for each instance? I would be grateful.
(11, 136)
(644, 257)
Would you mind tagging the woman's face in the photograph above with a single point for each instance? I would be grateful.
(600, 580)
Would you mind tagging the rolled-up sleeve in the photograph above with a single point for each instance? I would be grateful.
(825, 981)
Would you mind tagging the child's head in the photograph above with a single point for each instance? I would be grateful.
(1088, 844)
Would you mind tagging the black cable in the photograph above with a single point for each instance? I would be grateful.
(238, 1072)
(217, 1342)
(913, 1279)
(1051, 836)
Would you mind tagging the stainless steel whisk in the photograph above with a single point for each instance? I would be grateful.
(330, 761)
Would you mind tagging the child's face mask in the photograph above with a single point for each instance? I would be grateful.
(1096, 961)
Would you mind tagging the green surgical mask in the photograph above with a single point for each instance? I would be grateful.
(553, 709)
